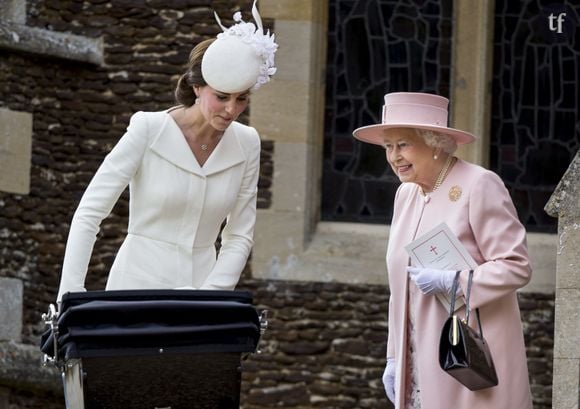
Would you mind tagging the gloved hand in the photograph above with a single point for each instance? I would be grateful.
(431, 281)
(389, 379)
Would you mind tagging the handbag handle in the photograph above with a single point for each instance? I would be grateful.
(468, 309)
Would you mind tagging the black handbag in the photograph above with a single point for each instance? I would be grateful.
(463, 353)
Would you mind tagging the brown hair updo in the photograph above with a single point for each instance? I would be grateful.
(184, 93)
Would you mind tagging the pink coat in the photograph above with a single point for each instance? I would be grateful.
(484, 219)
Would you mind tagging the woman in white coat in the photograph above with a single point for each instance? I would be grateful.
(188, 169)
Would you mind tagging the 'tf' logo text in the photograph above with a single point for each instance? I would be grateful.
(559, 19)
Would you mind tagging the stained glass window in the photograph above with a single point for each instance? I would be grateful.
(536, 100)
(375, 47)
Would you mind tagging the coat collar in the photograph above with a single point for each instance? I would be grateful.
(171, 145)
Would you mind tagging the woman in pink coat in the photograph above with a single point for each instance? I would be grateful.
(438, 187)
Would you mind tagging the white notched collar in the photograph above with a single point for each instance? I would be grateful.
(170, 144)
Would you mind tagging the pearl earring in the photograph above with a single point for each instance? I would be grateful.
(197, 101)
(435, 157)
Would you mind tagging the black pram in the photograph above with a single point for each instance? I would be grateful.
(147, 349)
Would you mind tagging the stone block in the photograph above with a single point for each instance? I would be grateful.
(567, 326)
(335, 251)
(11, 311)
(472, 72)
(305, 10)
(20, 364)
(294, 57)
(290, 181)
(50, 43)
(14, 11)
(542, 249)
(282, 118)
(15, 151)
(569, 256)
(279, 240)
(566, 383)
(564, 202)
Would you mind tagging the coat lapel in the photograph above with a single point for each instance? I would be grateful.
(227, 153)
(170, 144)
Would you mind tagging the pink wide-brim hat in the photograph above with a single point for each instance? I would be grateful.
(413, 110)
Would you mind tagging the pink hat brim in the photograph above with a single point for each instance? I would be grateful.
(373, 134)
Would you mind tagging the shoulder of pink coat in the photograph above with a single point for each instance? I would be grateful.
(475, 175)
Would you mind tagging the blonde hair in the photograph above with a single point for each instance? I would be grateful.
(436, 139)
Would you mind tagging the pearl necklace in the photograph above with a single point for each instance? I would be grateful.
(439, 180)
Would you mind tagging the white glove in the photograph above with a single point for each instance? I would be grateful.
(389, 379)
(432, 281)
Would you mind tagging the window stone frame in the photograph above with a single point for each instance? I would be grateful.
(291, 243)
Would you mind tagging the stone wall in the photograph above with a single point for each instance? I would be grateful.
(326, 342)
(325, 347)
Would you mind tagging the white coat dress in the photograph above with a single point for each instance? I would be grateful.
(176, 209)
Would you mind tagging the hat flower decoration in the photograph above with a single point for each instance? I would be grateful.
(242, 57)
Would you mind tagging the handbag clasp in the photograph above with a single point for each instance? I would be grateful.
(455, 331)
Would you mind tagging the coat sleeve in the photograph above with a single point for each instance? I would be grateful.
(98, 200)
(501, 240)
(391, 333)
(237, 235)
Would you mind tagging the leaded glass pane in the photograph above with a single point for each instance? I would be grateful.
(535, 126)
(375, 47)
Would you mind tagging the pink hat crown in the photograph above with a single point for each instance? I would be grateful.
(409, 108)
(413, 110)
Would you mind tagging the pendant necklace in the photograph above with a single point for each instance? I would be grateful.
(439, 180)
(205, 146)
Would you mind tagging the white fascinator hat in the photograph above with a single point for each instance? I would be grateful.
(242, 56)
